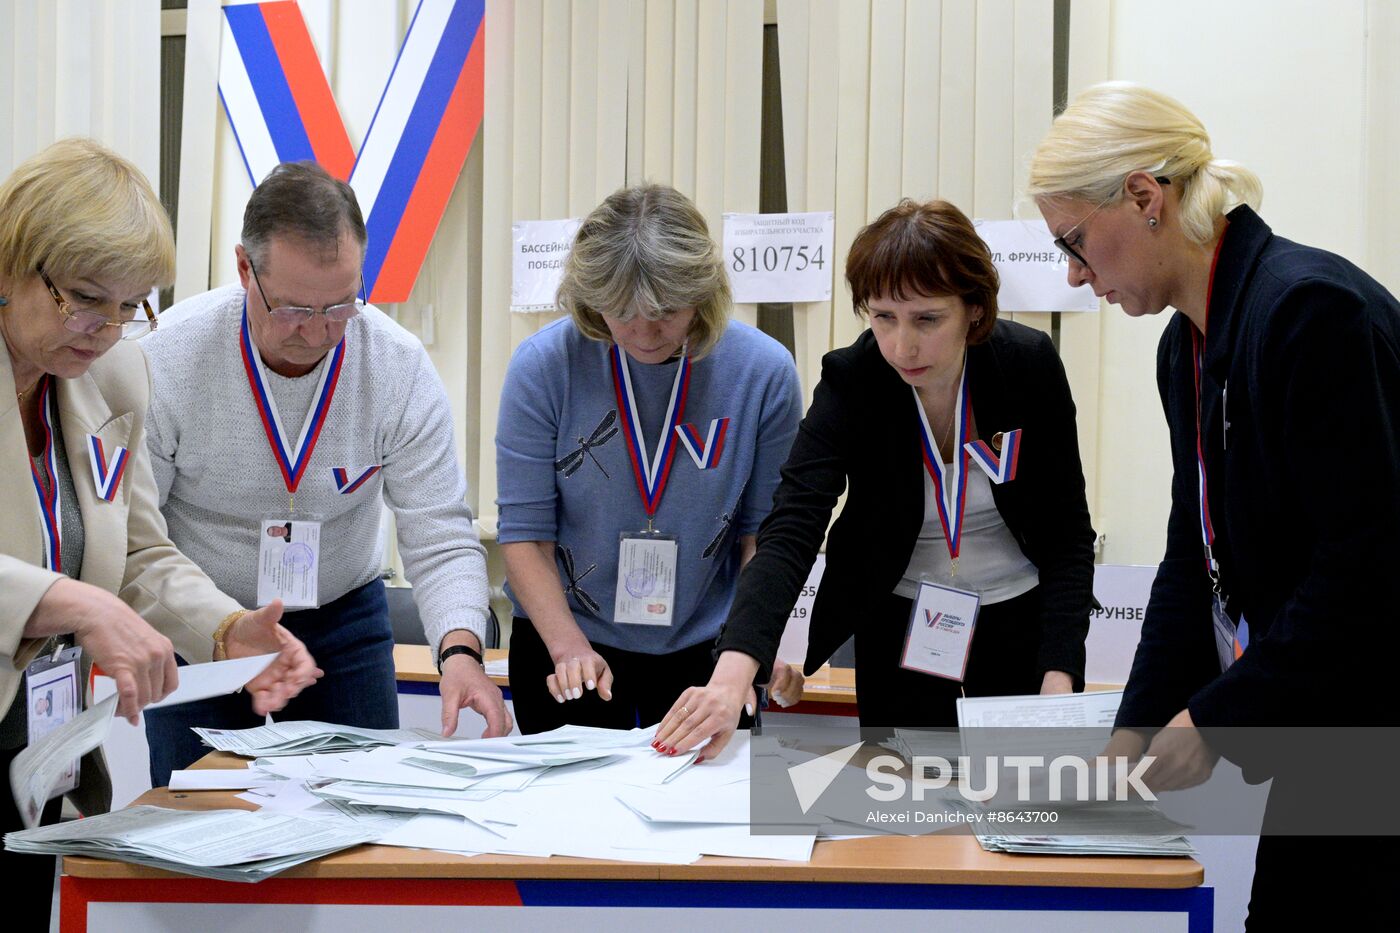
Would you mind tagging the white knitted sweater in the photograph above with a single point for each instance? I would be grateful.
(218, 476)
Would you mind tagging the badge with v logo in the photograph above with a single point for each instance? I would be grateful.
(106, 474)
(704, 451)
(1000, 468)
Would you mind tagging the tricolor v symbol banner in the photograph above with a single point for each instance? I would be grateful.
(281, 109)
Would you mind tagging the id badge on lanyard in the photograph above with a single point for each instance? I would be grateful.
(647, 560)
(54, 694)
(289, 547)
(289, 561)
(940, 631)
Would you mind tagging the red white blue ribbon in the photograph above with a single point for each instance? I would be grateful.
(106, 476)
(999, 468)
(50, 514)
(705, 452)
(347, 484)
(949, 482)
(651, 474)
(281, 108)
(291, 458)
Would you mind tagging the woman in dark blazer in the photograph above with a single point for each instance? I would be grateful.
(1280, 377)
(928, 284)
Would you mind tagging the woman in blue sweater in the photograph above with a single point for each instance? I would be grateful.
(637, 449)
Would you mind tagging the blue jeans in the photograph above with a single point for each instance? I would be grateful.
(351, 640)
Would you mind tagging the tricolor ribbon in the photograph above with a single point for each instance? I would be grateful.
(281, 108)
(950, 482)
(651, 474)
(706, 452)
(291, 459)
(346, 485)
(999, 468)
(50, 514)
(106, 476)
(1207, 527)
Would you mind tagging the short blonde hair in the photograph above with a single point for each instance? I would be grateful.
(79, 210)
(1117, 128)
(646, 250)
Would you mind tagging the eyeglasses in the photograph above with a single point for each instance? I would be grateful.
(297, 314)
(80, 316)
(1062, 241)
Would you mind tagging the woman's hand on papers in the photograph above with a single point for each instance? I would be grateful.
(293, 670)
(465, 685)
(710, 713)
(1056, 682)
(1183, 759)
(577, 667)
(136, 656)
(785, 687)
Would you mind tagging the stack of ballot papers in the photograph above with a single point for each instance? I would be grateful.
(302, 738)
(228, 845)
(927, 743)
(576, 791)
(1072, 723)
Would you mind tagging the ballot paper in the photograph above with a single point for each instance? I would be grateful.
(228, 845)
(37, 770)
(1063, 710)
(214, 679)
(218, 779)
(1138, 828)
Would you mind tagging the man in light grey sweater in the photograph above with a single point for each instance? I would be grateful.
(285, 411)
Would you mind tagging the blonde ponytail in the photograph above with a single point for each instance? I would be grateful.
(1116, 128)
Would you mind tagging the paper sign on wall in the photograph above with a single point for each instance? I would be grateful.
(1031, 267)
(538, 251)
(1114, 630)
(779, 257)
(793, 647)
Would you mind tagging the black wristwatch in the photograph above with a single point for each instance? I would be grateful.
(459, 649)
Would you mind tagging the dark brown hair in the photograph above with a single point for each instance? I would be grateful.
(924, 249)
(304, 201)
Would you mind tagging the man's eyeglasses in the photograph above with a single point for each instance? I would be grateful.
(1062, 241)
(80, 314)
(297, 314)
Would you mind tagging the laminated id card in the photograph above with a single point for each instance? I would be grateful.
(646, 580)
(1224, 633)
(940, 631)
(289, 562)
(54, 694)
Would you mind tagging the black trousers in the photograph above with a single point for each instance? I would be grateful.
(1332, 882)
(1002, 662)
(644, 685)
(28, 877)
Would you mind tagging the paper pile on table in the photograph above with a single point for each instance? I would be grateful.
(302, 738)
(228, 845)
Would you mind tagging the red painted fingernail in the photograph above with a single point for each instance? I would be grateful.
(670, 751)
(699, 759)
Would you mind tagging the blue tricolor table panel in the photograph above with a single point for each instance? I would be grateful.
(430, 905)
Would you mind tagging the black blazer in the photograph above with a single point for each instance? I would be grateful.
(862, 428)
(1301, 430)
